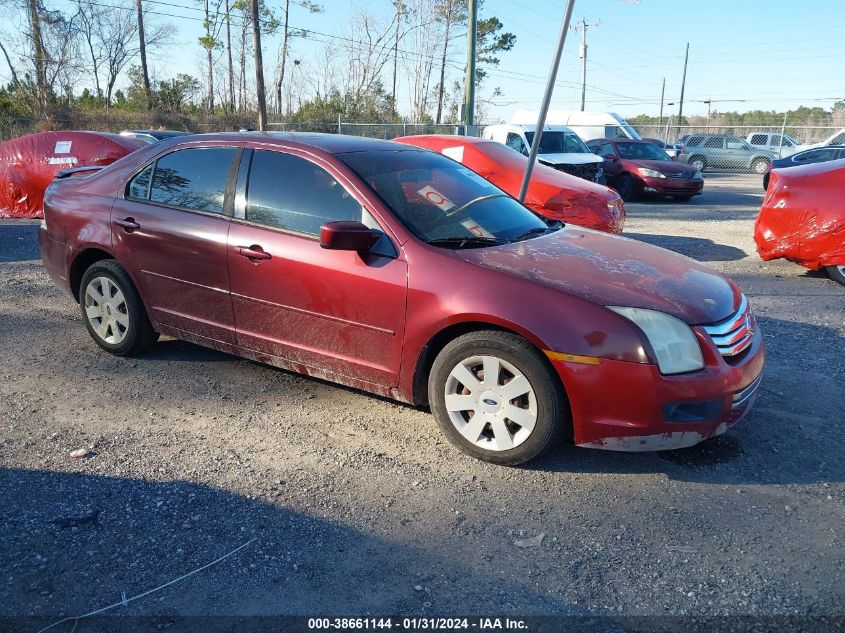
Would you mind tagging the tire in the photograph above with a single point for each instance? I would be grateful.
(113, 311)
(626, 187)
(698, 161)
(495, 437)
(760, 165)
(837, 273)
(766, 181)
(682, 198)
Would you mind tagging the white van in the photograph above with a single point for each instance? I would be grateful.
(560, 148)
(587, 125)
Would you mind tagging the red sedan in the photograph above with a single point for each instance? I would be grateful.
(803, 217)
(401, 272)
(640, 168)
(551, 193)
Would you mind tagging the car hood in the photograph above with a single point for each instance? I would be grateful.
(574, 158)
(665, 166)
(617, 271)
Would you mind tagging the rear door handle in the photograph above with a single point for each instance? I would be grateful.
(129, 224)
(252, 252)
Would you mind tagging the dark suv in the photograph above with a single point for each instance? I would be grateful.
(725, 152)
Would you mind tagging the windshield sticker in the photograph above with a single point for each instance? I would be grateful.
(436, 198)
(455, 153)
(62, 147)
(470, 225)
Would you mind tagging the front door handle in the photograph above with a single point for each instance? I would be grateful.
(252, 252)
(128, 224)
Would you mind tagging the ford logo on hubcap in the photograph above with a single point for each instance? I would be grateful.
(490, 402)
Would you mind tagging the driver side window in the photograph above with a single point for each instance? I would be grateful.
(514, 141)
(291, 193)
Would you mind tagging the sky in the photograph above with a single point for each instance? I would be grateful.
(744, 54)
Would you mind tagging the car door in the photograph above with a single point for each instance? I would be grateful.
(322, 311)
(714, 151)
(171, 229)
(611, 164)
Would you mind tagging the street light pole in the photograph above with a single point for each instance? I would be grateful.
(547, 98)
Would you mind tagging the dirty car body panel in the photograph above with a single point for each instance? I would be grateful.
(232, 276)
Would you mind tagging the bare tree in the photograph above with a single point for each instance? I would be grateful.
(287, 34)
(368, 50)
(450, 13)
(212, 24)
(259, 67)
(113, 39)
(38, 53)
(142, 50)
(423, 40)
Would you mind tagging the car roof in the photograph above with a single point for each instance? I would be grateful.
(329, 143)
(622, 140)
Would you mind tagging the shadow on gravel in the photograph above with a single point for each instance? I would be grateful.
(703, 250)
(18, 242)
(71, 543)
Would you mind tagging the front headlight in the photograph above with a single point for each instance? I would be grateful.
(673, 341)
(650, 173)
(697, 176)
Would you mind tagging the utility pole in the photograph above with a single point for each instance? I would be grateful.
(142, 49)
(259, 67)
(547, 98)
(683, 85)
(662, 94)
(708, 102)
(582, 53)
(469, 90)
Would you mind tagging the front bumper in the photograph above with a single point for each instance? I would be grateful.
(623, 406)
(671, 186)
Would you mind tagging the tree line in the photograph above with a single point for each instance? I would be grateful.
(87, 55)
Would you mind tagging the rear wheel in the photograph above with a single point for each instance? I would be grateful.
(837, 273)
(699, 162)
(766, 180)
(496, 397)
(760, 165)
(626, 187)
(113, 311)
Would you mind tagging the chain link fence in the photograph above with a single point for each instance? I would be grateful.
(739, 148)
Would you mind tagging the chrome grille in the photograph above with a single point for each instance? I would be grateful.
(734, 334)
(681, 175)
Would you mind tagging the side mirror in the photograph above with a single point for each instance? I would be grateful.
(610, 156)
(347, 235)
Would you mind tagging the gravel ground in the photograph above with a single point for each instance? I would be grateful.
(353, 504)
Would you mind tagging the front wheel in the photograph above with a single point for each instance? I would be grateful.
(699, 162)
(837, 273)
(113, 311)
(760, 166)
(683, 198)
(626, 187)
(496, 397)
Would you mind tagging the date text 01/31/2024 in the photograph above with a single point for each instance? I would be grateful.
(416, 624)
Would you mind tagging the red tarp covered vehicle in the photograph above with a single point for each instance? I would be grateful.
(29, 163)
(551, 193)
(803, 217)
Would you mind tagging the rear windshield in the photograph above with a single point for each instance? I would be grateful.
(439, 199)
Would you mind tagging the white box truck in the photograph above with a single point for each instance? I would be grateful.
(587, 125)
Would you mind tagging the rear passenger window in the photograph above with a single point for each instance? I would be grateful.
(139, 186)
(193, 178)
(758, 139)
(714, 143)
(291, 193)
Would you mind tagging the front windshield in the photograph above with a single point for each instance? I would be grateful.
(641, 151)
(553, 142)
(441, 201)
